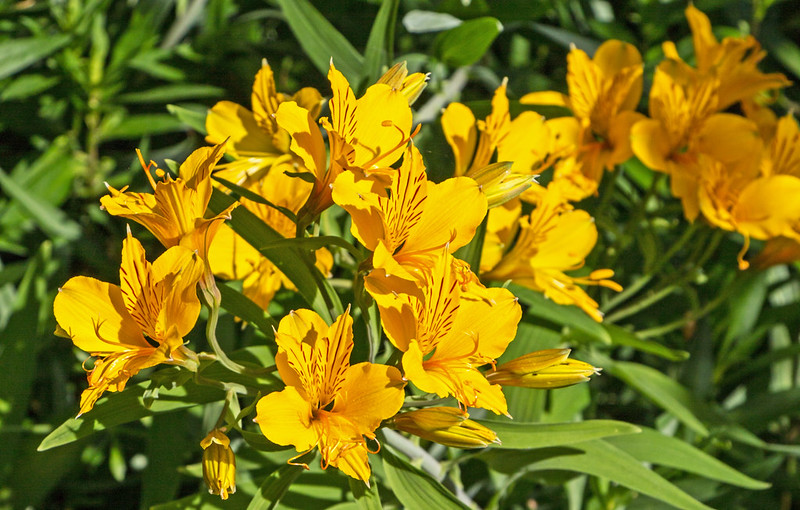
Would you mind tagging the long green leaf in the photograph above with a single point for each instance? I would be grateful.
(321, 41)
(367, 498)
(661, 389)
(17, 54)
(51, 219)
(381, 40)
(275, 487)
(621, 336)
(542, 435)
(127, 406)
(414, 488)
(241, 306)
(654, 447)
(467, 43)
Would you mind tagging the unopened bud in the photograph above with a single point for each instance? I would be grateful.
(550, 368)
(219, 464)
(447, 426)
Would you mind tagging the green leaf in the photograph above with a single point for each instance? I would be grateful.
(367, 498)
(656, 448)
(661, 389)
(275, 487)
(381, 41)
(622, 336)
(52, 220)
(17, 54)
(601, 459)
(574, 321)
(243, 307)
(127, 406)
(133, 127)
(419, 22)
(466, 44)
(28, 85)
(541, 435)
(255, 197)
(169, 93)
(566, 38)
(296, 264)
(413, 487)
(321, 41)
(194, 118)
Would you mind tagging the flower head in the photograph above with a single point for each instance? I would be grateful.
(219, 464)
(327, 403)
(135, 325)
(445, 425)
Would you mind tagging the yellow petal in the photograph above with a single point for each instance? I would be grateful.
(650, 143)
(768, 207)
(227, 120)
(458, 124)
(527, 144)
(94, 316)
(230, 256)
(728, 137)
(307, 141)
(264, 99)
(285, 418)
(358, 198)
(369, 394)
(546, 98)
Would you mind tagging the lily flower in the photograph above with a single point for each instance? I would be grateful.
(407, 227)
(255, 139)
(553, 239)
(366, 136)
(327, 403)
(175, 211)
(135, 325)
(603, 94)
(447, 333)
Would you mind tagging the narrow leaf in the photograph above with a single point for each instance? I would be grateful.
(622, 336)
(381, 40)
(275, 487)
(17, 54)
(320, 40)
(193, 118)
(367, 498)
(541, 435)
(51, 219)
(243, 307)
(466, 44)
(414, 488)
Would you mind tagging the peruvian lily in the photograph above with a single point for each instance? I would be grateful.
(255, 140)
(603, 94)
(447, 332)
(327, 403)
(365, 135)
(175, 211)
(407, 228)
(135, 325)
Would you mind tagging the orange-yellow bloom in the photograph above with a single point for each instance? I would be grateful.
(254, 138)
(603, 94)
(365, 135)
(408, 227)
(327, 403)
(447, 331)
(219, 464)
(175, 211)
(550, 368)
(553, 239)
(445, 425)
(135, 325)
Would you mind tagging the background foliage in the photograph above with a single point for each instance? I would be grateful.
(693, 347)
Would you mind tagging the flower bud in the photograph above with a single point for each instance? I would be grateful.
(219, 464)
(411, 86)
(500, 184)
(447, 426)
(550, 368)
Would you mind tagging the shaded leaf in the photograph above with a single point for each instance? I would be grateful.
(415, 488)
(515, 435)
(17, 54)
(465, 44)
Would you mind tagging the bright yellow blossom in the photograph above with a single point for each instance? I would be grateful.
(175, 211)
(410, 85)
(255, 140)
(408, 227)
(327, 403)
(550, 368)
(365, 135)
(219, 464)
(445, 425)
(553, 239)
(135, 325)
(603, 94)
(447, 332)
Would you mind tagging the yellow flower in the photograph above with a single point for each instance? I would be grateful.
(233, 258)
(550, 368)
(553, 239)
(219, 464)
(733, 62)
(446, 332)
(175, 212)
(254, 138)
(136, 325)
(365, 135)
(408, 226)
(603, 94)
(445, 425)
(327, 403)
(684, 125)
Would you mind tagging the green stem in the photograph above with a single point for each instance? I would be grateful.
(641, 304)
